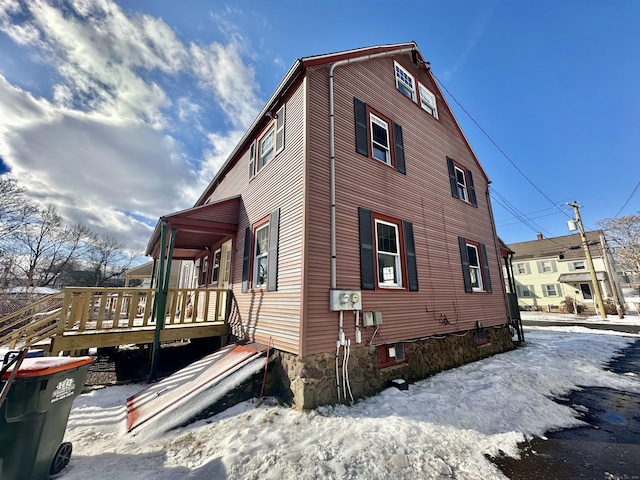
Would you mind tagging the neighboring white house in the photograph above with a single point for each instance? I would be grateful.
(183, 274)
(547, 270)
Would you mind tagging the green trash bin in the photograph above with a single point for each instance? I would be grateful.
(34, 415)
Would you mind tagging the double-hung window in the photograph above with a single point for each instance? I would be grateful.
(579, 265)
(405, 82)
(522, 269)
(260, 256)
(551, 290)
(461, 181)
(269, 144)
(380, 144)
(428, 101)
(387, 252)
(378, 137)
(260, 260)
(475, 266)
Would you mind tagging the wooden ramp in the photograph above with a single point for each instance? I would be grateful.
(181, 396)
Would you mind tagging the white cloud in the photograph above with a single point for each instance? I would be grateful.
(99, 148)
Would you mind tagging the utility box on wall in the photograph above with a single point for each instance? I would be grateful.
(345, 300)
(371, 319)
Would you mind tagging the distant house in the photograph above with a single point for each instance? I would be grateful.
(353, 225)
(547, 270)
(181, 274)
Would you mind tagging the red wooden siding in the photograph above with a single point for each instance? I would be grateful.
(279, 184)
(422, 196)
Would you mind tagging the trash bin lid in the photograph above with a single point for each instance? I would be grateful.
(38, 367)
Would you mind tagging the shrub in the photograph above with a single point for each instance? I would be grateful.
(568, 305)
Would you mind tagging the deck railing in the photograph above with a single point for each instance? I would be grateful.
(84, 309)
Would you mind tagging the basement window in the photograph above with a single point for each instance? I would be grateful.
(390, 355)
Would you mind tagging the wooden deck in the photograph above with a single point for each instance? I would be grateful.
(77, 319)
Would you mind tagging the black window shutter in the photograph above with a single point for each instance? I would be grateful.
(362, 127)
(410, 250)
(464, 257)
(399, 148)
(452, 178)
(472, 190)
(272, 268)
(245, 260)
(367, 264)
(485, 268)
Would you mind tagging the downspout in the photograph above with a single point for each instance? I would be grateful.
(332, 158)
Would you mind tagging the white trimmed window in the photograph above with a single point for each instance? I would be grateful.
(266, 148)
(388, 253)
(461, 180)
(521, 268)
(260, 256)
(405, 82)
(428, 101)
(551, 290)
(579, 265)
(546, 266)
(280, 118)
(474, 267)
(526, 291)
(380, 144)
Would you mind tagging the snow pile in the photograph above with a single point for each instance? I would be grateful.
(440, 427)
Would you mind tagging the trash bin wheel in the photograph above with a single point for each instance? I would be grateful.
(61, 457)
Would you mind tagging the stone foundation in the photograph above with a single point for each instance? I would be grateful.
(311, 380)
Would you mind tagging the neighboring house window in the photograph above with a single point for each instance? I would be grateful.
(461, 181)
(551, 290)
(525, 291)
(428, 101)
(405, 82)
(378, 137)
(390, 355)
(547, 266)
(387, 252)
(260, 260)
(579, 265)
(522, 269)
(269, 144)
(475, 266)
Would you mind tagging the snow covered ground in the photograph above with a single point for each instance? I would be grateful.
(442, 427)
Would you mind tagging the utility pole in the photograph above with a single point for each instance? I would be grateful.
(587, 253)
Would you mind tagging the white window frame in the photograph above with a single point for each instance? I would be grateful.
(524, 268)
(405, 85)
(376, 120)
(397, 258)
(428, 101)
(475, 270)
(546, 266)
(215, 266)
(526, 291)
(260, 257)
(552, 290)
(581, 263)
(266, 151)
(463, 191)
(279, 135)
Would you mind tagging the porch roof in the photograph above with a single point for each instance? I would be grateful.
(197, 228)
(580, 277)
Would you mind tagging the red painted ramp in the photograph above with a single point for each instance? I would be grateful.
(187, 392)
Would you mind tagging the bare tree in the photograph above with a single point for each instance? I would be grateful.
(623, 235)
(45, 247)
(15, 208)
(109, 258)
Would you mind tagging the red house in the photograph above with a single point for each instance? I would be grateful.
(353, 225)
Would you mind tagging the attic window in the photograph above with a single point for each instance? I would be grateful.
(405, 82)
(428, 101)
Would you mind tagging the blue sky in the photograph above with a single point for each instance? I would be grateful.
(119, 112)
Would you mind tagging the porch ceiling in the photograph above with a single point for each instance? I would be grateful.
(197, 228)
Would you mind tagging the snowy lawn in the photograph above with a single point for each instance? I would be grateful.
(442, 427)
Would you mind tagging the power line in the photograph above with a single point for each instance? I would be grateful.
(497, 146)
(625, 203)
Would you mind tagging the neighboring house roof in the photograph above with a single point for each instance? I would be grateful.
(293, 74)
(569, 246)
(141, 271)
